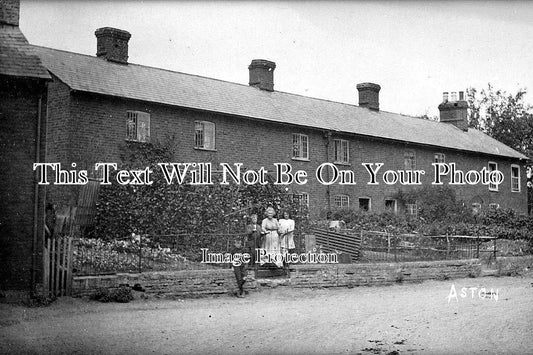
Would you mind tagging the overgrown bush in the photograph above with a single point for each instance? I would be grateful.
(40, 301)
(160, 208)
(121, 294)
(384, 222)
(437, 204)
(440, 213)
(97, 255)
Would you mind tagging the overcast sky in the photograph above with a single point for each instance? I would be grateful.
(414, 50)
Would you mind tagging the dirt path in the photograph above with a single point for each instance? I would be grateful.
(376, 320)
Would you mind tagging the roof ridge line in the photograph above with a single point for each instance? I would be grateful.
(230, 82)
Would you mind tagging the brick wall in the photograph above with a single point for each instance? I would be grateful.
(18, 137)
(162, 283)
(189, 283)
(513, 265)
(349, 275)
(96, 126)
(61, 135)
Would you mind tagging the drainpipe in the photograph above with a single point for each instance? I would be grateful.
(327, 139)
(36, 199)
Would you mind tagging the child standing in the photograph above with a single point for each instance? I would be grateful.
(239, 268)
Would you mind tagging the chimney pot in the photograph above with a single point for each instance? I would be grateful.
(369, 95)
(261, 73)
(454, 96)
(112, 44)
(9, 12)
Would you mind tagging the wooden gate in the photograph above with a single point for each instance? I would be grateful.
(58, 246)
(58, 266)
(87, 204)
(57, 254)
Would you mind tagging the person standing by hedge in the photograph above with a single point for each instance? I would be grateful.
(239, 268)
(286, 232)
(253, 239)
(269, 227)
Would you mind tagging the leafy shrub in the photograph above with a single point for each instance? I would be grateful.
(122, 294)
(101, 295)
(440, 213)
(97, 255)
(159, 208)
(437, 203)
(40, 301)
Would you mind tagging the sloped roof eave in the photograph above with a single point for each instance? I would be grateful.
(17, 57)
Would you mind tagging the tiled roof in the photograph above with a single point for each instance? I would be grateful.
(17, 57)
(96, 75)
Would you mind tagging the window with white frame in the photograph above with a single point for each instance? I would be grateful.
(364, 204)
(341, 200)
(204, 135)
(493, 166)
(391, 206)
(476, 208)
(439, 158)
(303, 199)
(412, 209)
(342, 148)
(409, 159)
(515, 178)
(494, 206)
(300, 146)
(137, 126)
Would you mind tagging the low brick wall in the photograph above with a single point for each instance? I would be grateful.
(162, 283)
(350, 275)
(191, 283)
(512, 265)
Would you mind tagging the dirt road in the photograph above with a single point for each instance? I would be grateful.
(414, 318)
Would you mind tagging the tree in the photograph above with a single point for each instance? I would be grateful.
(506, 118)
(503, 116)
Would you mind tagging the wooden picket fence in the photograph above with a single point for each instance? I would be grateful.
(58, 252)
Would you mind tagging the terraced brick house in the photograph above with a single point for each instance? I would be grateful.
(96, 103)
(65, 107)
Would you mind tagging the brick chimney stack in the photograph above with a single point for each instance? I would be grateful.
(9, 12)
(262, 74)
(369, 95)
(454, 111)
(112, 44)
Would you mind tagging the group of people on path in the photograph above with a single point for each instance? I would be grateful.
(273, 235)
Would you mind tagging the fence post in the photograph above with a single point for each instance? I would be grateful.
(495, 248)
(361, 247)
(140, 252)
(69, 266)
(46, 269)
(477, 252)
(395, 253)
(447, 246)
